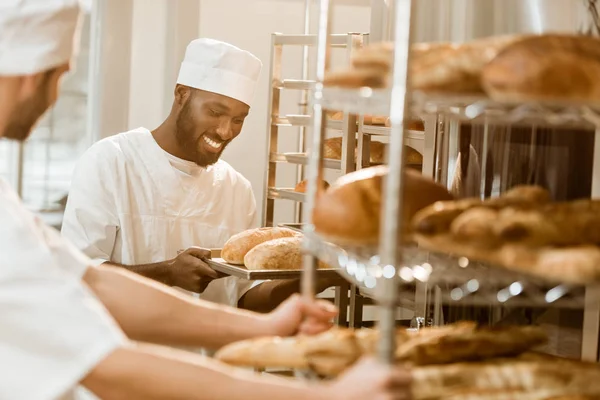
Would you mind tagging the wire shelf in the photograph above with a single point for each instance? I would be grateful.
(463, 282)
(474, 108)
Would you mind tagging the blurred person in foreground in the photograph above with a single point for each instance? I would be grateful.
(65, 323)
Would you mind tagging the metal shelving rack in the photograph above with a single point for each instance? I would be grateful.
(383, 271)
(347, 127)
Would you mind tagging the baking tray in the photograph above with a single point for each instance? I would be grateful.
(239, 271)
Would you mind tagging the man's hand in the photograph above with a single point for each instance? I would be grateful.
(190, 271)
(371, 380)
(297, 315)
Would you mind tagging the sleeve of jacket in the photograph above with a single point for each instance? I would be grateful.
(54, 330)
(91, 218)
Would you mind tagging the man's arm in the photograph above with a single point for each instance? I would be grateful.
(148, 311)
(154, 373)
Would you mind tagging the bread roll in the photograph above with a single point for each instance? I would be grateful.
(350, 211)
(239, 245)
(302, 186)
(546, 67)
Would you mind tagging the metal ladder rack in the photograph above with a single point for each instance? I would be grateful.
(347, 126)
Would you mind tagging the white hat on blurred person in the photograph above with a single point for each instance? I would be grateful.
(221, 68)
(37, 35)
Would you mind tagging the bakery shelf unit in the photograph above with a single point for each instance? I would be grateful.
(385, 271)
(346, 126)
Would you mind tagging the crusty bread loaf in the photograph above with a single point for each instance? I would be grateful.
(470, 344)
(438, 67)
(302, 186)
(546, 67)
(283, 253)
(455, 68)
(505, 379)
(266, 352)
(349, 212)
(239, 245)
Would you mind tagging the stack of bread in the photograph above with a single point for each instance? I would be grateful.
(332, 149)
(507, 68)
(265, 249)
(348, 213)
(522, 230)
(460, 361)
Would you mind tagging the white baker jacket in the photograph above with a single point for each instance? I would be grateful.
(53, 330)
(133, 203)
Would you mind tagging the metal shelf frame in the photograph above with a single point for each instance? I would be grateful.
(347, 126)
(391, 265)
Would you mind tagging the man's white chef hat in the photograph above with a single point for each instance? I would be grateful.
(37, 35)
(221, 68)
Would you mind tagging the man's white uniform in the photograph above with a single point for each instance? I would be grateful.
(53, 331)
(133, 203)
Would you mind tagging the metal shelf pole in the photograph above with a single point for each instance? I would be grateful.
(315, 166)
(391, 257)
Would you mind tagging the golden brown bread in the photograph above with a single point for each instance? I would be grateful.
(470, 344)
(438, 217)
(434, 66)
(265, 352)
(277, 254)
(236, 248)
(504, 380)
(349, 212)
(332, 149)
(454, 68)
(302, 186)
(546, 67)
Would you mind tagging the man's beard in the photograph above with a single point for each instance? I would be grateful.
(25, 117)
(185, 139)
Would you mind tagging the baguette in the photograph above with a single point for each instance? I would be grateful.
(349, 212)
(236, 248)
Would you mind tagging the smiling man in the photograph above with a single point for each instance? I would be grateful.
(154, 201)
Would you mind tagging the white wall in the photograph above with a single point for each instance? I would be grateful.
(248, 24)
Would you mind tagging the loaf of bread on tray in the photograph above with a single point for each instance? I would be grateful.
(349, 212)
(546, 67)
(277, 254)
(236, 248)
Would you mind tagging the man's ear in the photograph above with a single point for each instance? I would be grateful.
(182, 94)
